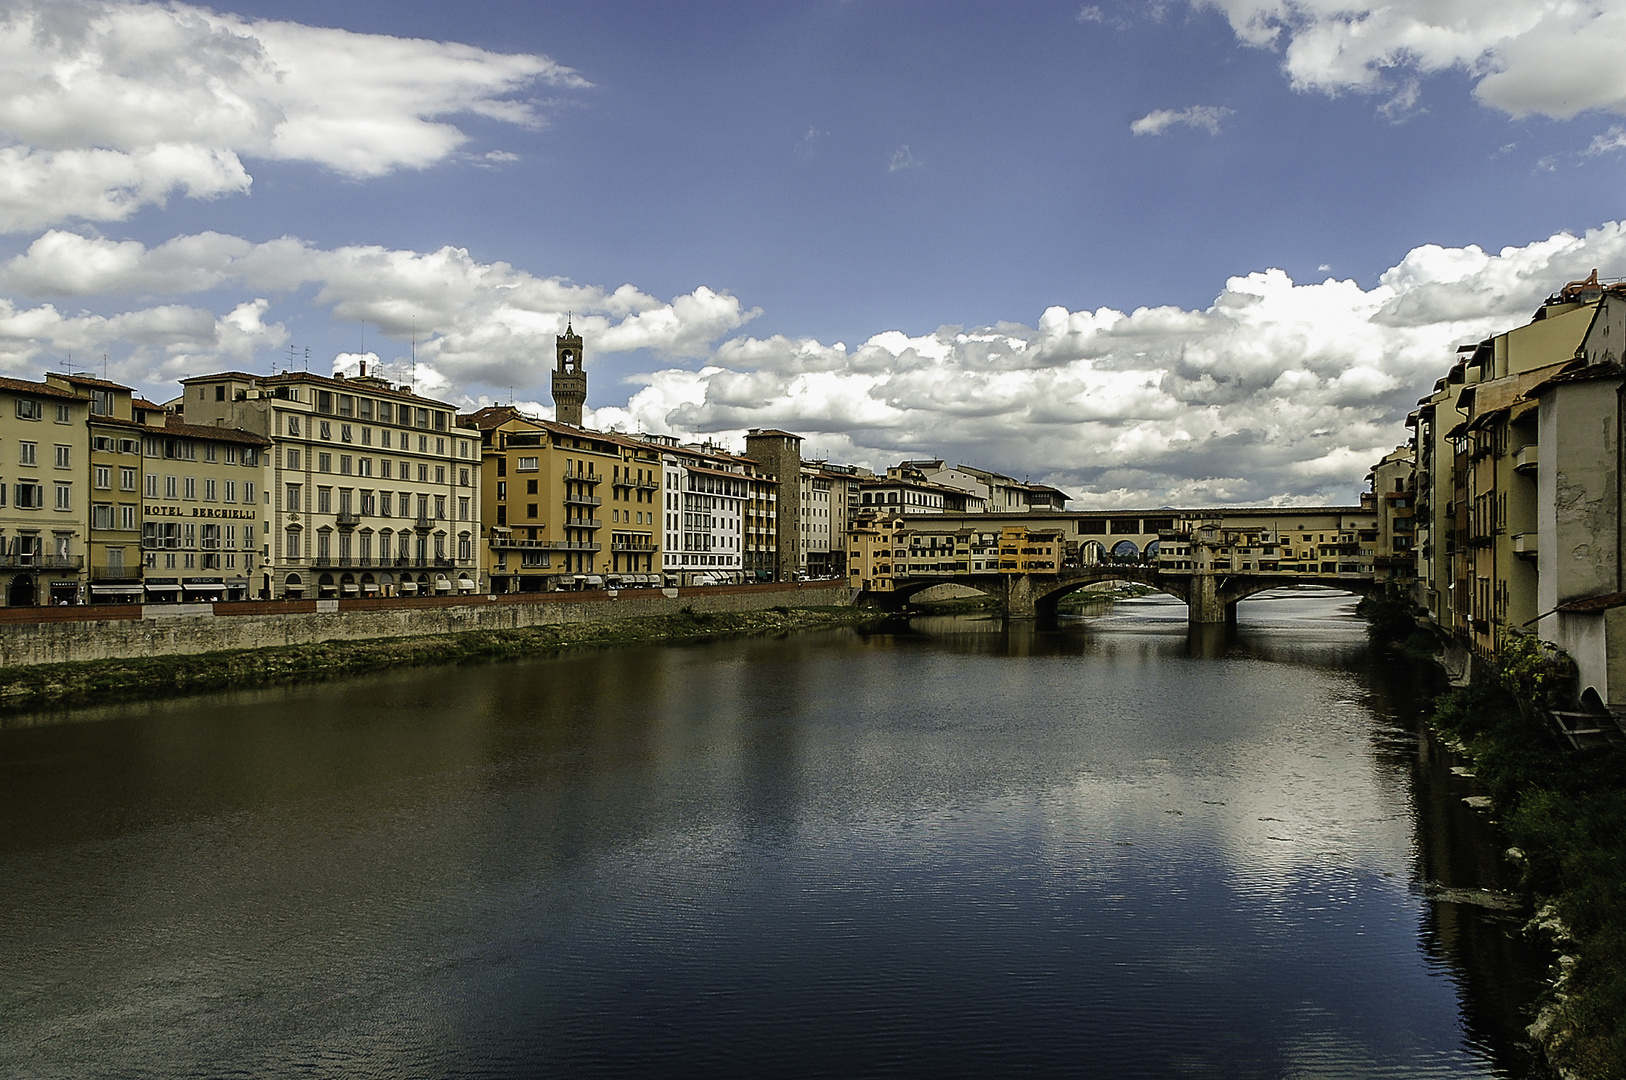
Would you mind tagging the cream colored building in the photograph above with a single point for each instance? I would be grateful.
(371, 489)
(1393, 499)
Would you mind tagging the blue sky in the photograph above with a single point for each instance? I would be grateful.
(1157, 253)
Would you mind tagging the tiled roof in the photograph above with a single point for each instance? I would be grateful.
(23, 386)
(211, 431)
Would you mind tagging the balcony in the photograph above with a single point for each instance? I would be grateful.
(423, 524)
(1524, 544)
(583, 477)
(506, 543)
(620, 546)
(42, 562)
(583, 500)
(115, 573)
(348, 519)
(648, 485)
(585, 523)
(1526, 458)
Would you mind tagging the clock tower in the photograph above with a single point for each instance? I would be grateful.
(569, 380)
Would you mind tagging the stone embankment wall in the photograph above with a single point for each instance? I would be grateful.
(31, 636)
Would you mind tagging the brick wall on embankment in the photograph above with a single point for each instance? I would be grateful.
(123, 631)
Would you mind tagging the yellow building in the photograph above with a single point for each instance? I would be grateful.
(875, 545)
(1477, 469)
(44, 512)
(544, 491)
(1029, 551)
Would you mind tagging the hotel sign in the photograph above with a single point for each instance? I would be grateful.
(153, 511)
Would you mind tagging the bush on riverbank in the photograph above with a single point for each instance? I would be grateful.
(1391, 623)
(1566, 811)
(89, 682)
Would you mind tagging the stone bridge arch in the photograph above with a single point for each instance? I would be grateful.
(1048, 596)
(1209, 598)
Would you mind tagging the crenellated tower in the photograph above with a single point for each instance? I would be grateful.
(569, 378)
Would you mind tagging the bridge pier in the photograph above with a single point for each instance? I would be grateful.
(1020, 602)
(1205, 605)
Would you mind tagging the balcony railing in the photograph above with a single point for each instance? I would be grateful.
(42, 562)
(620, 546)
(115, 573)
(584, 477)
(584, 523)
(504, 543)
(1526, 458)
(348, 519)
(583, 500)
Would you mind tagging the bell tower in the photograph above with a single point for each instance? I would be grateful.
(569, 380)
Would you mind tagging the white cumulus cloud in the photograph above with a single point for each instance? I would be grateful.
(476, 323)
(1276, 391)
(111, 106)
(1555, 58)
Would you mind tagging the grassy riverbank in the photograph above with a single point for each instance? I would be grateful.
(1563, 813)
(97, 681)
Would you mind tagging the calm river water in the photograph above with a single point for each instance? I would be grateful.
(1112, 849)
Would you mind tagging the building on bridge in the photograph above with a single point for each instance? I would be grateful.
(1331, 545)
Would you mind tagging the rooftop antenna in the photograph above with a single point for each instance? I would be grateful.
(104, 367)
(307, 360)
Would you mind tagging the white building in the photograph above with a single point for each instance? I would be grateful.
(705, 493)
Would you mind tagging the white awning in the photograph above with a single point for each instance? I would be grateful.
(117, 590)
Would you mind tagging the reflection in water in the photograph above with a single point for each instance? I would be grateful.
(1108, 847)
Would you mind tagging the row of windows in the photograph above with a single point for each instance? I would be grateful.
(367, 503)
(350, 434)
(178, 449)
(192, 560)
(108, 516)
(186, 487)
(30, 409)
(28, 453)
(189, 534)
(363, 466)
(31, 495)
(294, 545)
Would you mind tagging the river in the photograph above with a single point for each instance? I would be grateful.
(1110, 849)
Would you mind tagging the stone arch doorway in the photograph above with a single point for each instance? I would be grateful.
(22, 592)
